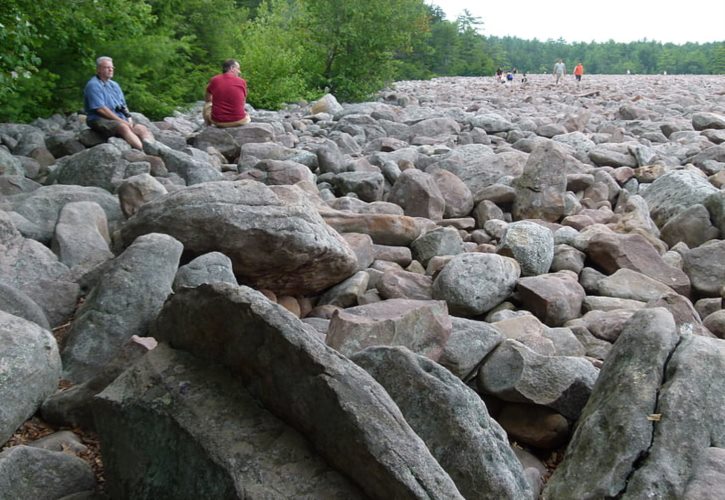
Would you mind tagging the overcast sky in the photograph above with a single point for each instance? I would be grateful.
(581, 21)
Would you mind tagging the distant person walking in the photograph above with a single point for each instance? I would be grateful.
(578, 72)
(559, 70)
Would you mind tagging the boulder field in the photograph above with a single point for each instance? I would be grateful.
(460, 289)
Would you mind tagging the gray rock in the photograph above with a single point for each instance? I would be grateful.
(10, 165)
(28, 472)
(218, 138)
(418, 194)
(42, 206)
(346, 293)
(541, 189)
(137, 190)
(470, 342)
(704, 120)
(531, 244)
(674, 192)
(515, 373)
(452, 420)
(632, 285)
(29, 372)
(474, 283)
(211, 267)
(612, 251)
(122, 305)
(368, 186)
(192, 170)
(691, 226)
(33, 269)
(81, 235)
(353, 423)
(440, 241)
(154, 430)
(691, 422)
(71, 407)
(16, 184)
(704, 266)
(17, 303)
(458, 198)
(284, 172)
(273, 235)
(101, 166)
(613, 430)
(708, 477)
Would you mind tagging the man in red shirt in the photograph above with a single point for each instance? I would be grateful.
(226, 95)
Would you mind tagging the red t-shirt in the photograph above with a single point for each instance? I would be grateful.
(229, 93)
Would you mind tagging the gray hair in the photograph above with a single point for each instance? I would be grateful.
(103, 59)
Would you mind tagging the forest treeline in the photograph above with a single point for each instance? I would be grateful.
(290, 50)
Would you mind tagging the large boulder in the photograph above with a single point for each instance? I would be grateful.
(33, 269)
(452, 420)
(274, 236)
(674, 192)
(541, 189)
(30, 472)
(29, 371)
(613, 430)
(122, 305)
(348, 417)
(474, 283)
(209, 438)
(101, 166)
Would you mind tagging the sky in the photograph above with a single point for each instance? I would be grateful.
(581, 21)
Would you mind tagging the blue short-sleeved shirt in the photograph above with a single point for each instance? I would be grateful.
(98, 94)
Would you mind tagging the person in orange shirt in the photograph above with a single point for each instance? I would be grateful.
(578, 72)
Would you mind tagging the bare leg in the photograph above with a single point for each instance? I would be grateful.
(124, 131)
(143, 132)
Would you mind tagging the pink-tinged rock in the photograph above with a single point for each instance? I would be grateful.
(423, 326)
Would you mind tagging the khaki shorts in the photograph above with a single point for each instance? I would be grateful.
(209, 121)
(107, 128)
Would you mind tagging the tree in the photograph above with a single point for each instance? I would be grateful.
(272, 55)
(352, 44)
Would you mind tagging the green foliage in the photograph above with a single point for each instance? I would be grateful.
(271, 55)
(17, 49)
(354, 43)
(165, 51)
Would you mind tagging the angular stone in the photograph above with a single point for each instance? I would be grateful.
(469, 343)
(515, 373)
(210, 267)
(553, 298)
(29, 472)
(423, 326)
(612, 252)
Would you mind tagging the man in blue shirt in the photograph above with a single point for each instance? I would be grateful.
(106, 109)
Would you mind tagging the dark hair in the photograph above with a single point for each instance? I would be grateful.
(228, 64)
